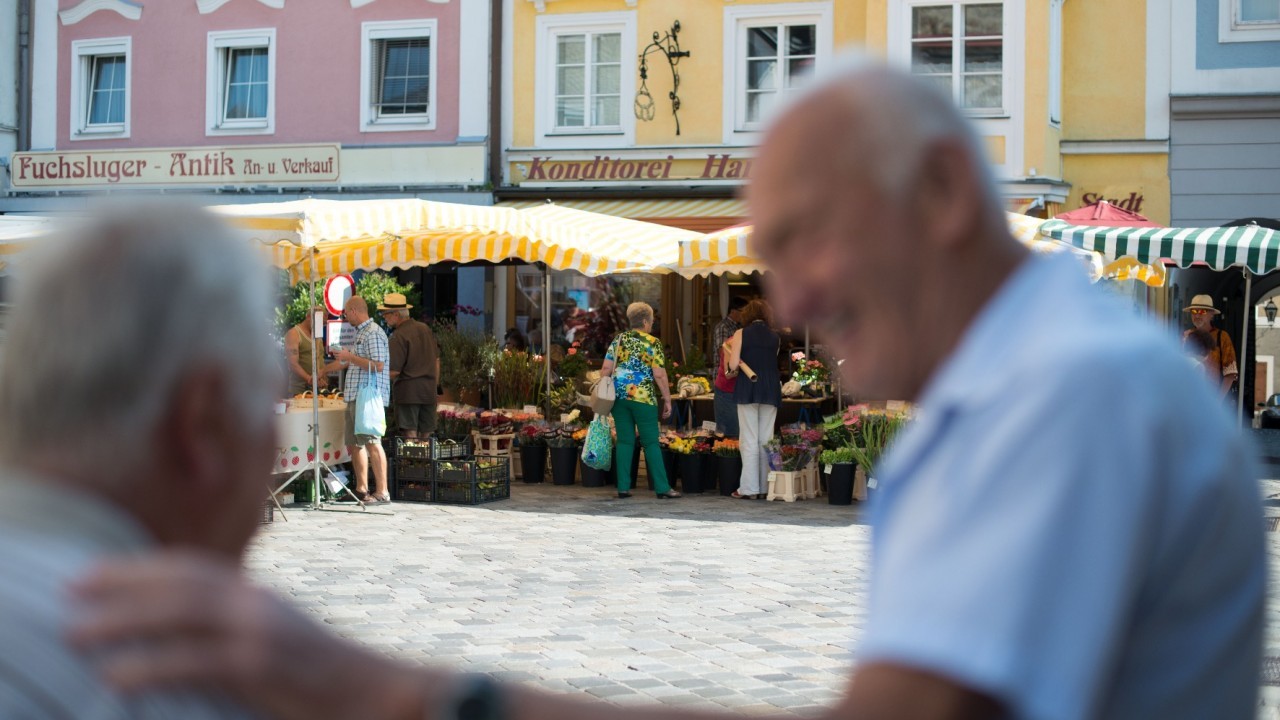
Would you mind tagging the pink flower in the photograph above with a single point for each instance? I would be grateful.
(573, 351)
(797, 356)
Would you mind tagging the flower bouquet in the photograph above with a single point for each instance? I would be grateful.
(788, 457)
(574, 365)
(454, 423)
(808, 371)
(727, 447)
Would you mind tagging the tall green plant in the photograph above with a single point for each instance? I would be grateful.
(372, 287)
(466, 357)
(518, 378)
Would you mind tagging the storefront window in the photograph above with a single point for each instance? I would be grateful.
(590, 311)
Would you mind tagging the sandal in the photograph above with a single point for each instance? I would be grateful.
(736, 494)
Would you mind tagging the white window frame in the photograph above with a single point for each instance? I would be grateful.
(1010, 126)
(370, 34)
(1006, 59)
(737, 20)
(1233, 30)
(1055, 62)
(83, 53)
(547, 29)
(221, 42)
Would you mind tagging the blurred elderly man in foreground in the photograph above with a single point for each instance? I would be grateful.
(1053, 538)
(135, 413)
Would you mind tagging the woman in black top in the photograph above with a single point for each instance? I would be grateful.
(756, 345)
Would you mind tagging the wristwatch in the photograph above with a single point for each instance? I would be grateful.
(478, 698)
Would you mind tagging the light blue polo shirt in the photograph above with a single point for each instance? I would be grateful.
(1072, 525)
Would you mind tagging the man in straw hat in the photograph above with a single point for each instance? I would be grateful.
(1211, 343)
(1054, 539)
(415, 368)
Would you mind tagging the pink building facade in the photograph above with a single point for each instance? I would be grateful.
(241, 98)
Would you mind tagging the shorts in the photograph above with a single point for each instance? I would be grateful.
(350, 430)
(416, 416)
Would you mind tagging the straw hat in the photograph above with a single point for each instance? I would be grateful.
(395, 301)
(1201, 302)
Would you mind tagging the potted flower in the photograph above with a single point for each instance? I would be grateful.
(728, 458)
(811, 373)
(690, 453)
(466, 360)
(873, 432)
(564, 450)
(533, 451)
(669, 457)
(838, 467)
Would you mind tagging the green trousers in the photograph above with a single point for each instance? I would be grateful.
(629, 416)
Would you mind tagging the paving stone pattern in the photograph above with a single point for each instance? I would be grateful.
(704, 601)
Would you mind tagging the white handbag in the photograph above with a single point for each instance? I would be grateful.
(603, 396)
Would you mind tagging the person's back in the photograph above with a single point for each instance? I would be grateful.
(158, 434)
(1114, 509)
(48, 539)
(760, 353)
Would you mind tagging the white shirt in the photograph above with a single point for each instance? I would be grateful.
(49, 537)
(1072, 525)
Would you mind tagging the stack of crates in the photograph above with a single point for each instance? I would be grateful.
(447, 471)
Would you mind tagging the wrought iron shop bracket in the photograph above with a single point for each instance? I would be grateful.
(669, 46)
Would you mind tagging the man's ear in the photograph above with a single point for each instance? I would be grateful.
(947, 194)
(197, 417)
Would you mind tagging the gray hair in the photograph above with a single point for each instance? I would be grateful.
(639, 313)
(400, 312)
(107, 321)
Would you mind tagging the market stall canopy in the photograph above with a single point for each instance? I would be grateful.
(729, 250)
(1103, 213)
(1253, 247)
(562, 238)
(596, 244)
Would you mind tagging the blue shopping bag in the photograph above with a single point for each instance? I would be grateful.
(371, 418)
(597, 451)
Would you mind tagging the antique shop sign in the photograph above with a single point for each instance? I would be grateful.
(257, 164)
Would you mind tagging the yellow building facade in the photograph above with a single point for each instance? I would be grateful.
(652, 109)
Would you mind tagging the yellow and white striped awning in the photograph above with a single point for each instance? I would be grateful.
(729, 250)
(596, 244)
(562, 238)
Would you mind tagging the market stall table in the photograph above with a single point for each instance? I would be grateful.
(684, 414)
(293, 432)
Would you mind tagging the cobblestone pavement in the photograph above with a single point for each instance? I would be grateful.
(703, 601)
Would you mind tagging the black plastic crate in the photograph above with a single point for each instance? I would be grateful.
(471, 482)
(433, 448)
(412, 469)
(413, 491)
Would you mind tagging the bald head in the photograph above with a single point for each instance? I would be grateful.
(356, 310)
(874, 208)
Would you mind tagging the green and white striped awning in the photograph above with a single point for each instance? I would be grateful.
(1250, 246)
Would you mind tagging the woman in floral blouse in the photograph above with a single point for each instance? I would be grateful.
(634, 362)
